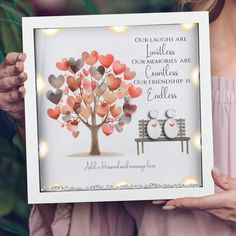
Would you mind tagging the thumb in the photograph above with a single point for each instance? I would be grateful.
(223, 181)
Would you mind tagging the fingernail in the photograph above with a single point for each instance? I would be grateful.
(22, 76)
(158, 202)
(168, 208)
(20, 56)
(17, 65)
(21, 89)
(217, 171)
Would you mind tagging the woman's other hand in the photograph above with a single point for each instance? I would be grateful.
(12, 91)
(221, 205)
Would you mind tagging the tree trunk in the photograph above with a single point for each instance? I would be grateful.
(94, 150)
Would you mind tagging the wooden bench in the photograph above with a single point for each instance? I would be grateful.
(143, 136)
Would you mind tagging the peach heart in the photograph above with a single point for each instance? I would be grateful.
(118, 68)
(102, 109)
(72, 100)
(134, 91)
(154, 125)
(86, 72)
(63, 65)
(91, 58)
(73, 83)
(128, 75)
(107, 129)
(71, 127)
(113, 83)
(66, 110)
(171, 124)
(75, 134)
(110, 97)
(115, 111)
(86, 112)
(54, 113)
(88, 98)
(107, 60)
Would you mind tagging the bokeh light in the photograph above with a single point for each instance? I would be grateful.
(190, 180)
(121, 183)
(41, 85)
(119, 29)
(51, 32)
(43, 149)
(187, 27)
(194, 76)
(196, 140)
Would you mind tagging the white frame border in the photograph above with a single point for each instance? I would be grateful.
(33, 178)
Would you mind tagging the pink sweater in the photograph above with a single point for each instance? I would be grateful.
(144, 218)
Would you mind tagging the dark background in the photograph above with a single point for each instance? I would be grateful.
(14, 211)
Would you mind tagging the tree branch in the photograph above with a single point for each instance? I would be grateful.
(104, 121)
(84, 122)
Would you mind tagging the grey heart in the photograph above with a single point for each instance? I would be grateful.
(75, 66)
(95, 73)
(119, 128)
(100, 90)
(66, 118)
(56, 82)
(101, 69)
(126, 119)
(127, 98)
(54, 97)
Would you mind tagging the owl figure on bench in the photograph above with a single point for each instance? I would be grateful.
(153, 126)
(162, 130)
(171, 128)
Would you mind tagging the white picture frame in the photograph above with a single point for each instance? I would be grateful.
(36, 47)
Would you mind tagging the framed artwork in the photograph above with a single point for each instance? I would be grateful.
(118, 107)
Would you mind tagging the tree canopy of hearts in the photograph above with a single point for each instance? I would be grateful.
(94, 90)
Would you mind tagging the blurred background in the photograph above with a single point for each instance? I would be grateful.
(14, 211)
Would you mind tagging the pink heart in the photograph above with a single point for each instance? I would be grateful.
(75, 134)
(107, 129)
(128, 74)
(63, 65)
(118, 68)
(171, 124)
(134, 91)
(86, 72)
(86, 85)
(106, 60)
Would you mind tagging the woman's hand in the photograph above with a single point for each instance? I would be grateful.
(12, 91)
(221, 205)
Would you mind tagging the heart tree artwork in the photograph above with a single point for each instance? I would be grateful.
(92, 85)
(117, 110)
